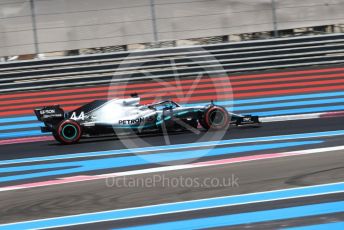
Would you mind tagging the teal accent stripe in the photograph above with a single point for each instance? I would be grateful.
(184, 112)
(165, 119)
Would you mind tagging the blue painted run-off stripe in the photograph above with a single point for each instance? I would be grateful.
(17, 119)
(289, 104)
(182, 207)
(238, 108)
(327, 226)
(29, 133)
(20, 126)
(83, 166)
(280, 98)
(223, 103)
(250, 217)
(178, 147)
(300, 111)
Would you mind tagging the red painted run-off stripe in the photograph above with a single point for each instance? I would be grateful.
(182, 91)
(208, 98)
(102, 88)
(25, 140)
(148, 93)
(170, 87)
(116, 93)
(333, 114)
(168, 91)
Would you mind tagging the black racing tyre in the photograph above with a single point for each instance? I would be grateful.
(68, 132)
(215, 118)
(56, 136)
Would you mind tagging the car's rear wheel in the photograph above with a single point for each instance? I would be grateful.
(215, 117)
(68, 132)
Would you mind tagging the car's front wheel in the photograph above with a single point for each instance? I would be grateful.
(68, 132)
(215, 117)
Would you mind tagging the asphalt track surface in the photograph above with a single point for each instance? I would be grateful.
(51, 148)
(253, 176)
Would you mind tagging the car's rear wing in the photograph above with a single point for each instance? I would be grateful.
(49, 113)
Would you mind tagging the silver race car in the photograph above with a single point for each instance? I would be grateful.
(103, 117)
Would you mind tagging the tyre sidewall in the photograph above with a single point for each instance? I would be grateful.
(206, 118)
(62, 138)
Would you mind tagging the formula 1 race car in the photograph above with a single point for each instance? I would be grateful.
(104, 117)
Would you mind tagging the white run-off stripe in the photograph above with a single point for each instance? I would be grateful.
(81, 178)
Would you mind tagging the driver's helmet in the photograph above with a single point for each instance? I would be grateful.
(168, 105)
